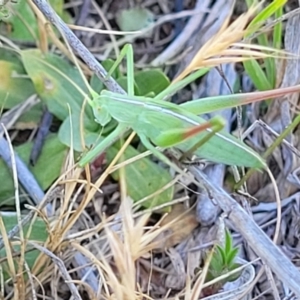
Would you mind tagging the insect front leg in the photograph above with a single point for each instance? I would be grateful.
(103, 145)
(128, 52)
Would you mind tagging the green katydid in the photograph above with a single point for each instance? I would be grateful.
(166, 124)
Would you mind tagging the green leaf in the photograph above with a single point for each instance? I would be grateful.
(63, 90)
(13, 88)
(143, 178)
(231, 256)
(267, 12)
(257, 75)
(265, 81)
(16, 87)
(22, 25)
(149, 81)
(9, 54)
(277, 32)
(134, 19)
(57, 82)
(46, 170)
(221, 254)
(228, 241)
(122, 81)
(235, 276)
(269, 63)
(38, 233)
(31, 118)
(96, 84)
(216, 265)
(67, 136)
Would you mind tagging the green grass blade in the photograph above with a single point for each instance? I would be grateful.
(257, 75)
(175, 87)
(277, 33)
(267, 12)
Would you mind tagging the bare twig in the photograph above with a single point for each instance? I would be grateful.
(78, 47)
(41, 135)
(177, 45)
(59, 263)
(25, 176)
(83, 13)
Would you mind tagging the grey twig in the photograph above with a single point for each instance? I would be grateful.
(41, 135)
(59, 263)
(78, 46)
(83, 13)
(24, 175)
(80, 49)
(178, 44)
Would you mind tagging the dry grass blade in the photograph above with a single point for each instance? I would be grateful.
(196, 291)
(102, 31)
(19, 283)
(224, 47)
(134, 242)
(126, 248)
(8, 249)
(30, 277)
(60, 264)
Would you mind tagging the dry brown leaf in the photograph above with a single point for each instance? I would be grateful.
(179, 224)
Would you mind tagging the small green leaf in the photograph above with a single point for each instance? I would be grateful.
(14, 87)
(22, 25)
(277, 32)
(228, 241)
(231, 256)
(67, 136)
(235, 276)
(134, 19)
(222, 254)
(267, 12)
(31, 118)
(57, 82)
(143, 178)
(149, 81)
(216, 265)
(96, 84)
(123, 82)
(265, 81)
(63, 90)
